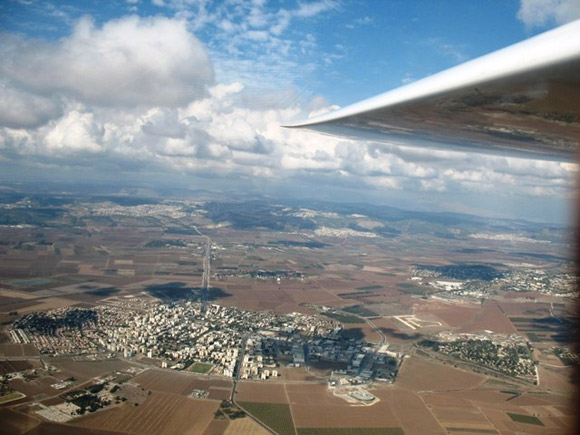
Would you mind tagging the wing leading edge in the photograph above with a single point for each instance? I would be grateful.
(523, 100)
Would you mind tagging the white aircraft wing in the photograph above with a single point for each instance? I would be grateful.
(523, 100)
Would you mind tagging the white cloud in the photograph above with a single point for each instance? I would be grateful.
(306, 10)
(538, 13)
(129, 61)
(75, 132)
(21, 109)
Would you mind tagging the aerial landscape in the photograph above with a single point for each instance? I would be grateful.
(214, 316)
(181, 252)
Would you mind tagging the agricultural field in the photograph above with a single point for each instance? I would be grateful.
(316, 407)
(245, 426)
(160, 413)
(345, 318)
(14, 366)
(261, 392)
(276, 416)
(130, 259)
(419, 374)
(490, 318)
(543, 329)
(522, 418)
(11, 397)
(360, 310)
(351, 431)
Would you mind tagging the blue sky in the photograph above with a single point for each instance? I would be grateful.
(344, 50)
(195, 90)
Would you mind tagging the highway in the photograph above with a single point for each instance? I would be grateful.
(205, 281)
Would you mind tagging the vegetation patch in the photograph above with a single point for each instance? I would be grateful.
(294, 244)
(351, 431)
(344, 318)
(522, 418)
(566, 355)
(360, 310)
(464, 271)
(405, 287)
(469, 430)
(165, 243)
(31, 282)
(512, 359)
(373, 287)
(199, 367)
(228, 410)
(356, 295)
(11, 396)
(276, 416)
(534, 338)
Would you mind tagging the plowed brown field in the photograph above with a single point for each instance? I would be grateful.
(420, 375)
(260, 392)
(160, 413)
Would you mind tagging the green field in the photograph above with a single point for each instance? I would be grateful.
(370, 287)
(534, 338)
(276, 416)
(344, 318)
(11, 396)
(199, 367)
(351, 431)
(522, 418)
(405, 287)
(360, 310)
(31, 282)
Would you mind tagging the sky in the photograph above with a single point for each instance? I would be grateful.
(192, 93)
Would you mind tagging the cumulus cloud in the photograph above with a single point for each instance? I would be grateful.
(76, 131)
(128, 61)
(21, 109)
(538, 13)
(220, 135)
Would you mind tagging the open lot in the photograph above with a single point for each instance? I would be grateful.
(315, 406)
(176, 382)
(84, 370)
(261, 392)
(160, 413)
(418, 374)
(490, 318)
(453, 314)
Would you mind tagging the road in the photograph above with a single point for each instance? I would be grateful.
(205, 284)
(238, 366)
(235, 379)
(383, 338)
(378, 331)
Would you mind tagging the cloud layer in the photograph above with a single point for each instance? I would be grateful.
(137, 95)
